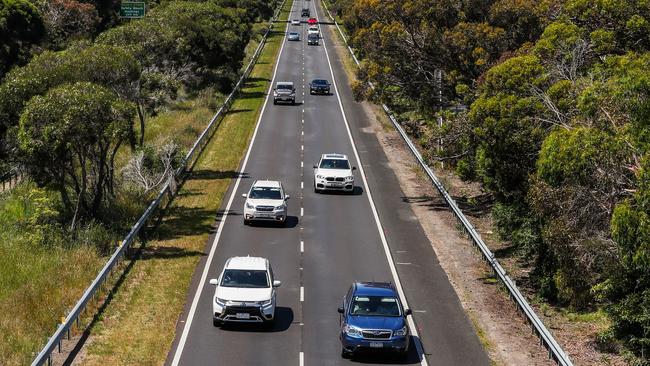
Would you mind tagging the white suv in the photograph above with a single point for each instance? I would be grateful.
(245, 292)
(333, 172)
(265, 201)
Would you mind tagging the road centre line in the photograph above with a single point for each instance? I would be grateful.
(389, 257)
(302, 246)
(215, 242)
(302, 293)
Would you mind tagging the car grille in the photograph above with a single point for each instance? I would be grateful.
(332, 179)
(264, 208)
(232, 310)
(376, 334)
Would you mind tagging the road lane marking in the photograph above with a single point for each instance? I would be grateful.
(215, 241)
(302, 246)
(380, 229)
(302, 294)
(301, 164)
(301, 358)
(302, 185)
(302, 212)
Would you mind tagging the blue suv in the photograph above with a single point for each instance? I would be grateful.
(373, 318)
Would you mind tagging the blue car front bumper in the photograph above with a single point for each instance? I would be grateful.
(354, 344)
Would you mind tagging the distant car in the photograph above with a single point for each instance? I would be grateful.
(313, 29)
(295, 22)
(311, 21)
(265, 201)
(313, 39)
(284, 92)
(293, 36)
(319, 86)
(373, 318)
(333, 172)
(305, 12)
(245, 292)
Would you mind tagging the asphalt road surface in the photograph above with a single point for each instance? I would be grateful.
(330, 240)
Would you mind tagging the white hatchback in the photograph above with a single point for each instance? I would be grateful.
(245, 292)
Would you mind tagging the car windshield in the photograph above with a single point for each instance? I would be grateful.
(265, 193)
(334, 164)
(312, 35)
(320, 82)
(284, 87)
(375, 306)
(244, 278)
(293, 34)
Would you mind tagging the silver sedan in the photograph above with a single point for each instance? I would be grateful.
(294, 36)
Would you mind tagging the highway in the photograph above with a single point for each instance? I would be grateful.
(330, 240)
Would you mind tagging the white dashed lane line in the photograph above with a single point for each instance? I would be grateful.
(302, 294)
(302, 246)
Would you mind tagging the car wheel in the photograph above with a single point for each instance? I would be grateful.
(345, 354)
(293, 102)
(275, 102)
(216, 322)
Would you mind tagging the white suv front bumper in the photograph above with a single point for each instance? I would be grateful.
(330, 183)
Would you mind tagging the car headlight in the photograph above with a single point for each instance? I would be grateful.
(351, 330)
(350, 178)
(402, 332)
(280, 208)
(221, 302)
(266, 303)
(319, 176)
(248, 205)
(275, 94)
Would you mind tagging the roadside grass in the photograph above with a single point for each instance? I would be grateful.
(138, 327)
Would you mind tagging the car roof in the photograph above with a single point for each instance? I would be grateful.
(374, 289)
(266, 183)
(334, 156)
(284, 83)
(255, 263)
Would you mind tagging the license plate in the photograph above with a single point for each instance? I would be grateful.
(376, 345)
(263, 215)
(243, 316)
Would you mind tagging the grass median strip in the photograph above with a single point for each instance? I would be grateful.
(138, 327)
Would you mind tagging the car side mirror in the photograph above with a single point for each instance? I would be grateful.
(408, 312)
(340, 310)
(287, 197)
(354, 168)
(315, 167)
(245, 195)
(277, 283)
(214, 281)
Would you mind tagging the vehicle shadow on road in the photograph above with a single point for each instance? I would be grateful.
(292, 221)
(283, 319)
(387, 358)
(357, 191)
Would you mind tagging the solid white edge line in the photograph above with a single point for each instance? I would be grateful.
(389, 256)
(215, 242)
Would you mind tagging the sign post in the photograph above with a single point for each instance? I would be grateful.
(132, 9)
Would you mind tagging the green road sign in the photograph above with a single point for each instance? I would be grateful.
(132, 9)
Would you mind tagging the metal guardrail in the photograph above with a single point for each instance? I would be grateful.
(555, 352)
(165, 195)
